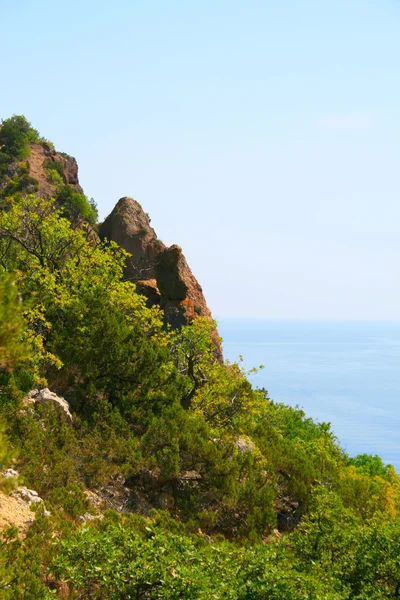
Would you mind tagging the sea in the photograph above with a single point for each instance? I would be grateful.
(343, 373)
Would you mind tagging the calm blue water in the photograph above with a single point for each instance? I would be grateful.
(345, 373)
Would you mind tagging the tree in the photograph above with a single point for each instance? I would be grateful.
(13, 347)
(76, 206)
(16, 133)
(13, 351)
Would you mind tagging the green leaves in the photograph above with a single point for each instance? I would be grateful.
(75, 206)
(16, 133)
(119, 562)
(14, 348)
(361, 556)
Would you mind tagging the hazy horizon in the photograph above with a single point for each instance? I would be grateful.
(306, 320)
(263, 138)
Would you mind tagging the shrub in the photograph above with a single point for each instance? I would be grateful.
(16, 133)
(54, 165)
(76, 206)
(20, 183)
(12, 349)
(55, 178)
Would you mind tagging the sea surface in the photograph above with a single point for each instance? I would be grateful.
(344, 373)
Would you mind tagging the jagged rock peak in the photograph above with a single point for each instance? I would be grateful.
(129, 226)
(162, 274)
(129, 213)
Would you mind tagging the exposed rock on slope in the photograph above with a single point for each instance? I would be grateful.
(161, 274)
(36, 167)
(45, 396)
(44, 152)
(14, 512)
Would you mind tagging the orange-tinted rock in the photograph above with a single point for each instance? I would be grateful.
(44, 152)
(130, 228)
(162, 274)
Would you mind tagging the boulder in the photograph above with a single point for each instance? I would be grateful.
(45, 396)
(10, 474)
(149, 288)
(26, 495)
(244, 444)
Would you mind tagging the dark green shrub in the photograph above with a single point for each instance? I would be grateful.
(23, 183)
(54, 165)
(55, 178)
(5, 160)
(71, 499)
(16, 133)
(76, 206)
(65, 155)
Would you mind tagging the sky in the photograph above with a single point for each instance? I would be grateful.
(263, 137)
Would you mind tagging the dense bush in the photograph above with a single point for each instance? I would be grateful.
(75, 205)
(16, 133)
(54, 165)
(136, 559)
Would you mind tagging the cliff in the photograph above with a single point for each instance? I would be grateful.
(161, 274)
(32, 175)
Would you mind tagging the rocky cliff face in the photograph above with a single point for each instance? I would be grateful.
(160, 273)
(44, 152)
(33, 172)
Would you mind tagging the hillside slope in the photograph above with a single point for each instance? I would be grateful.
(161, 472)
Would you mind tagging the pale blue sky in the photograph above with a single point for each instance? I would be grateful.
(263, 137)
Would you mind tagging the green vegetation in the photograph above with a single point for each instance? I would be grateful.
(75, 205)
(224, 493)
(54, 165)
(16, 135)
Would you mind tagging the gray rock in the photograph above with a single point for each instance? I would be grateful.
(45, 396)
(88, 517)
(27, 496)
(10, 473)
(244, 444)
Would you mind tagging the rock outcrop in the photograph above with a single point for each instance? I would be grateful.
(33, 173)
(162, 274)
(45, 396)
(15, 508)
(15, 513)
(44, 154)
(130, 228)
